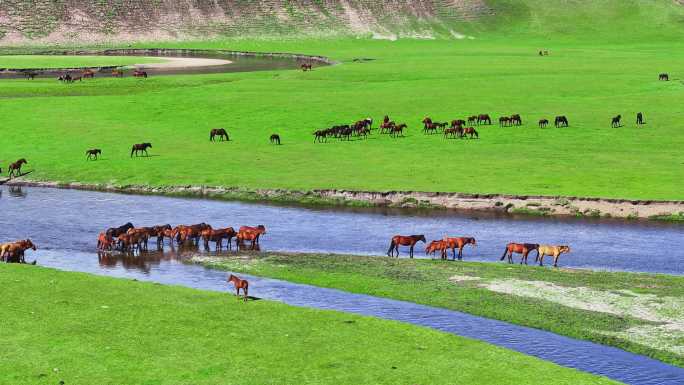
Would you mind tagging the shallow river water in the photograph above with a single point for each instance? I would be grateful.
(65, 223)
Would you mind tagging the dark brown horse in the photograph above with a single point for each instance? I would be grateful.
(470, 131)
(519, 248)
(220, 132)
(561, 121)
(664, 77)
(543, 123)
(275, 139)
(114, 232)
(401, 240)
(306, 67)
(459, 243)
(93, 154)
(30, 75)
(504, 121)
(140, 74)
(484, 119)
(239, 284)
(15, 168)
(640, 119)
(140, 147)
(398, 130)
(217, 236)
(472, 119)
(516, 120)
(616, 122)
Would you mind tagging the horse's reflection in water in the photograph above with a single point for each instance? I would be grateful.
(145, 261)
(17, 192)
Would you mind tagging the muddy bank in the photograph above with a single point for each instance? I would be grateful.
(494, 203)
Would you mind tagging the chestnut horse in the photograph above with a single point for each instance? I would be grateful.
(519, 248)
(105, 242)
(88, 73)
(252, 234)
(217, 236)
(554, 251)
(140, 147)
(192, 232)
(435, 246)
(470, 131)
(93, 153)
(15, 168)
(401, 240)
(459, 243)
(239, 284)
(220, 132)
(140, 74)
(307, 67)
(14, 252)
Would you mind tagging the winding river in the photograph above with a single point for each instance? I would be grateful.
(65, 223)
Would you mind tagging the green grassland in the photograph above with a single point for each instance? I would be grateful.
(626, 310)
(605, 57)
(82, 329)
(51, 61)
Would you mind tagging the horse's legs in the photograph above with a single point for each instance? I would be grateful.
(555, 260)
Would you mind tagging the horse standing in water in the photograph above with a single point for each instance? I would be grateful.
(401, 240)
(554, 251)
(251, 234)
(519, 248)
(460, 243)
(239, 284)
(435, 246)
(14, 252)
(15, 168)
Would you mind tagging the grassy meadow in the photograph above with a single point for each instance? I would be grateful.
(52, 124)
(81, 329)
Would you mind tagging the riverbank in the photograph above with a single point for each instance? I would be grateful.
(134, 332)
(640, 313)
(671, 211)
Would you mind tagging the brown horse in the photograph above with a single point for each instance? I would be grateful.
(436, 246)
(88, 74)
(459, 243)
(543, 123)
(217, 236)
(114, 232)
(93, 154)
(15, 168)
(30, 75)
(398, 130)
(220, 132)
(561, 121)
(470, 131)
(275, 139)
(427, 122)
(252, 234)
(664, 77)
(401, 240)
(554, 251)
(484, 119)
(190, 233)
(453, 132)
(639, 119)
(239, 284)
(516, 120)
(519, 248)
(140, 147)
(14, 252)
(105, 242)
(140, 74)
(504, 121)
(306, 67)
(472, 119)
(117, 73)
(615, 122)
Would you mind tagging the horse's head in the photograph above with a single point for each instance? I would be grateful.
(262, 228)
(148, 145)
(421, 238)
(564, 249)
(22, 161)
(128, 226)
(29, 245)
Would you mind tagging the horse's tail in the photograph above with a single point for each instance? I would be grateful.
(504, 254)
(391, 247)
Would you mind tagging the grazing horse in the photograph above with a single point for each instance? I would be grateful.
(239, 284)
(516, 120)
(140, 74)
(117, 73)
(220, 132)
(115, 232)
(436, 246)
(306, 67)
(457, 123)
(93, 153)
(140, 147)
(615, 123)
(470, 131)
(504, 121)
(105, 242)
(401, 240)
(484, 119)
(217, 236)
(427, 124)
(472, 119)
(459, 243)
(519, 248)
(640, 119)
(14, 252)
(15, 168)
(664, 77)
(561, 121)
(398, 130)
(275, 139)
(453, 132)
(543, 123)
(554, 251)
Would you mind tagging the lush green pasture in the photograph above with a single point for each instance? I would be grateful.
(50, 61)
(52, 124)
(82, 329)
(627, 310)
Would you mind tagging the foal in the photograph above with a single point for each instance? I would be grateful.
(239, 284)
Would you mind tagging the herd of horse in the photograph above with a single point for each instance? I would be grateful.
(77, 76)
(452, 243)
(129, 239)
